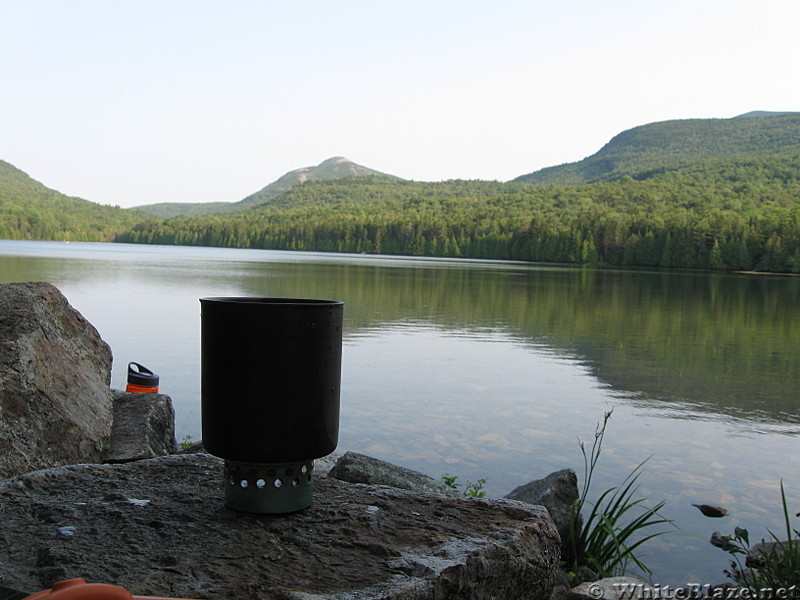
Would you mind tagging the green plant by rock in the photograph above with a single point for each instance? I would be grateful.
(618, 523)
(768, 566)
(472, 490)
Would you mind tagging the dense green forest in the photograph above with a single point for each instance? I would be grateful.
(732, 214)
(31, 211)
(721, 194)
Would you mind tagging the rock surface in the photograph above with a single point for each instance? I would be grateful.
(144, 427)
(556, 493)
(159, 527)
(761, 553)
(55, 370)
(614, 588)
(360, 468)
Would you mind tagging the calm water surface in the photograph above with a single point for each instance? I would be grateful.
(498, 369)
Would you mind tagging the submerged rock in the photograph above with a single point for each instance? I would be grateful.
(711, 511)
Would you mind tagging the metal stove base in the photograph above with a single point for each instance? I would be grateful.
(269, 488)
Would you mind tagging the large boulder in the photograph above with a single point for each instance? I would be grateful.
(557, 492)
(55, 371)
(159, 527)
(360, 468)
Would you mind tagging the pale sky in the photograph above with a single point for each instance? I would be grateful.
(133, 102)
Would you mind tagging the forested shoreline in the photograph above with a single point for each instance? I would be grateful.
(719, 194)
(723, 215)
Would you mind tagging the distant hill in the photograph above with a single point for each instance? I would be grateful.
(337, 167)
(31, 211)
(669, 145)
(333, 168)
(166, 210)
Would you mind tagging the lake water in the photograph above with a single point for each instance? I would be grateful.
(488, 369)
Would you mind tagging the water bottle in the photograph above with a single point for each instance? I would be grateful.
(141, 380)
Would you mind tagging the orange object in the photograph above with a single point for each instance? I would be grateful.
(78, 589)
(132, 388)
(141, 380)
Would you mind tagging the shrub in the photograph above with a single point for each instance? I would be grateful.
(771, 566)
(610, 535)
(474, 489)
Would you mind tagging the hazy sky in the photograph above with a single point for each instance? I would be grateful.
(142, 101)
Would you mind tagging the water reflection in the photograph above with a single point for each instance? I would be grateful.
(685, 342)
(719, 343)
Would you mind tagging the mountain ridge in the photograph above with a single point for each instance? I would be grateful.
(673, 144)
(765, 113)
(336, 167)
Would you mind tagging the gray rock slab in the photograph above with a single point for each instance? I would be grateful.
(144, 427)
(159, 527)
(323, 465)
(360, 468)
(55, 370)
